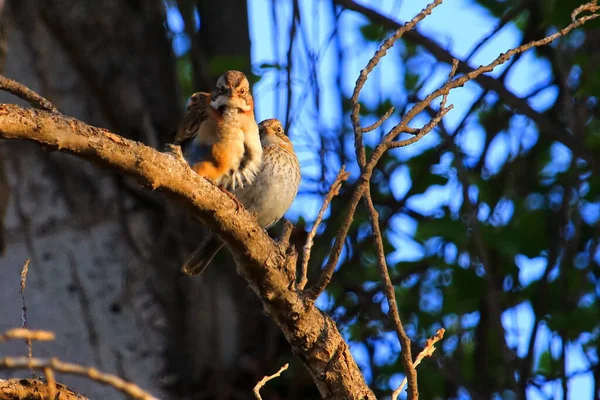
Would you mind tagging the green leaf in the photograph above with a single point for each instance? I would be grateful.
(372, 32)
(571, 324)
(464, 294)
(451, 230)
(411, 80)
(544, 364)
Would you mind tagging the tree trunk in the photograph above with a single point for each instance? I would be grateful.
(105, 255)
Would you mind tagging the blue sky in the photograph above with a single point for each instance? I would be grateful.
(458, 25)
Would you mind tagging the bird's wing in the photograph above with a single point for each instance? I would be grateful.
(195, 115)
(196, 152)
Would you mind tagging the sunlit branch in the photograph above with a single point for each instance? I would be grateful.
(266, 379)
(334, 190)
(26, 94)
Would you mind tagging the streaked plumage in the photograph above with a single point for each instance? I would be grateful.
(271, 194)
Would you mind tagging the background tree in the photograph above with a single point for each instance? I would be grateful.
(523, 247)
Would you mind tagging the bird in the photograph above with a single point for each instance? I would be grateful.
(270, 195)
(223, 127)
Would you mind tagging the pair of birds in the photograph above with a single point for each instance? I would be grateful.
(256, 162)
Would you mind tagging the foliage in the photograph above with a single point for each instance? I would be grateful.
(512, 224)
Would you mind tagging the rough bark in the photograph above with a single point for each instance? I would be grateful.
(268, 268)
(86, 283)
(33, 389)
(108, 254)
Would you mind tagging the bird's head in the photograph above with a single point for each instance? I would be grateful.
(232, 91)
(271, 132)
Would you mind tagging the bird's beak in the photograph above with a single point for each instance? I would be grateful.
(230, 100)
(221, 99)
(190, 103)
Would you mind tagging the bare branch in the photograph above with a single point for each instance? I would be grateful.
(591, 7)
(426, 352)
(286, 233)
(261, 261)
(460, 81)
(546, 124)
(22, 333)
(23, 306)
(26, 94)
(334, 190)
(434, 121)
(130, 389)
(379, 122)
(264, 380)
(422, 132)
(50, 382)
(34, 389)
(314, 292)
(390, 295)
(364, 74)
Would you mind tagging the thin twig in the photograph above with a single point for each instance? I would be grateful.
(334, 190)
(426, 352)
(501, 59)
(422, 132)
(547, 125)
(50, 383)
(364, 74)
(592, 7)
(379, 122)
(286, 233)
(390, 295)
(327, 272)
(435, 120)
(26, 94)
(389, 291)
(366, 170)
(23, 306)
(130, 389)
(264, 380)
(22, 333)
(315, 291)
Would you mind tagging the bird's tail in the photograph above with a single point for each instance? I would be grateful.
(202, 256)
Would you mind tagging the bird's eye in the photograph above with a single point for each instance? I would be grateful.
(243, 91)
(279, 129)
(222, 89)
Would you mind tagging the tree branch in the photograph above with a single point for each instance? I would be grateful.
(130, 389)
(364, 74)
(266, 379)
(426, 352)
(546, 125)
(313, 336)
(333, 191)
(26, 94)
(33, 389)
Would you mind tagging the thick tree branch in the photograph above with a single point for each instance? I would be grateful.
(33, 389)
(312, 334)
(130, 389)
